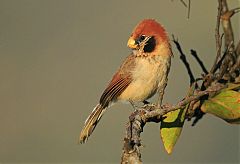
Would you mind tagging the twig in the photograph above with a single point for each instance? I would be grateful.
(226, 22)
(235, 70)
(229, 13)
(238, 49)
(184, 4)
(184, 60)
(217, 37)
(224, 64)
(189, 7)
(220, 62)
(194, 54)
(228, 31)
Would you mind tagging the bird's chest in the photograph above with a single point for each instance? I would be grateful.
(146, 77)
(146, 72)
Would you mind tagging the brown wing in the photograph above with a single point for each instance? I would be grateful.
(119, 82)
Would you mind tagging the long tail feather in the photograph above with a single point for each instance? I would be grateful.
(91, 123)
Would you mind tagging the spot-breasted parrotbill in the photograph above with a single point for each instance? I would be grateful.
(142, 74)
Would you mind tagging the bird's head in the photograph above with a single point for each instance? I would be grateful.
(148, 36)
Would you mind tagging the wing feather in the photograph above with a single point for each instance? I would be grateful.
(119, 82)
(114, 89)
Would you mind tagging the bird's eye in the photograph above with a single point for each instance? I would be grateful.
(140, 39)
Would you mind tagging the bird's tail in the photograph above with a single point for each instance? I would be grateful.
(91, 123)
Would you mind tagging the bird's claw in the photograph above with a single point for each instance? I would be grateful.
(167, 105)
(149, 107)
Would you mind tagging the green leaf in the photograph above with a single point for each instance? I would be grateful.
(225, 105)
(171, 128)
(172, 124)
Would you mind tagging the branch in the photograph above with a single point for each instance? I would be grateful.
(217, 37)
(194, 54)
(184, 60)
(224, 63)
(181, 104)
(189, 8)
(238, 49)
(235, 70)
(236, 67)
(230, 63)
(150, 113)
(184, 4)
(226, 15)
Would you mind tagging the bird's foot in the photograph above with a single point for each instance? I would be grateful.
(152, 106)
(167, 105)
(145, 102)
(149, 106)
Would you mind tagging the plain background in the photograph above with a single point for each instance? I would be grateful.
(57, 56)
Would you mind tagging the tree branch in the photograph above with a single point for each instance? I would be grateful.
(238, 49)
(229, 65)
(189, 8)
(194, 54)
(226, 23)
(150, 113)
(184, 60)
(217, 37)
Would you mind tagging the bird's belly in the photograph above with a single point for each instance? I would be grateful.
(146, 78)
(139, 91)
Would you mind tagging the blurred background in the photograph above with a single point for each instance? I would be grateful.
(56, 58)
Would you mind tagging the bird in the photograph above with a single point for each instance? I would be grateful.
(141, 75)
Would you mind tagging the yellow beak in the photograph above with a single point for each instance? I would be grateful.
(132, 44)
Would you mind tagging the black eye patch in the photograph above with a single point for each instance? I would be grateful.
(150, 45)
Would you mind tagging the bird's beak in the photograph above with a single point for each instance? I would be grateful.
(132, 43)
